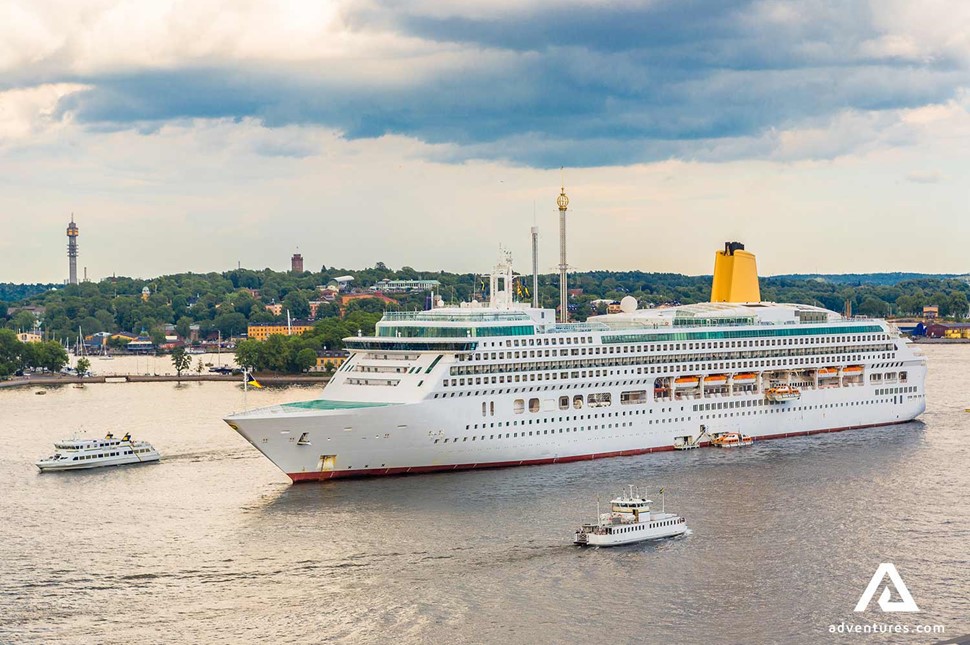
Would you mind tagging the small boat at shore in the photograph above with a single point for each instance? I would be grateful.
(630, 520)
(80, 454)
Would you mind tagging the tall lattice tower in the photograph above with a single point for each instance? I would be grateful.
(72, 250)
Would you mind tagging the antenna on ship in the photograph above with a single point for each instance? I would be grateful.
(535, 259)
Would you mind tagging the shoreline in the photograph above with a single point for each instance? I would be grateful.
(275, 379)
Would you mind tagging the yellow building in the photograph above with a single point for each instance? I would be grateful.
(29, 337)
(332, 358)
(275, 309)
(262, 331)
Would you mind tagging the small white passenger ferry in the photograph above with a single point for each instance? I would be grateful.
(77, 454)
(630, 520)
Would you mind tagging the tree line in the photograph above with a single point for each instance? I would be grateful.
(228, 302)
(298, 353)
(16, 356)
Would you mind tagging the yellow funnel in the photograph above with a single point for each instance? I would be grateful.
(735, 275)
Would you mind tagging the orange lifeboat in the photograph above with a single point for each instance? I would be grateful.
(782, 393)
(686, 381)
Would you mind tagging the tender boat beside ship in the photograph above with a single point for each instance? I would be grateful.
(731, 440)
(80, 454)
(630, 520)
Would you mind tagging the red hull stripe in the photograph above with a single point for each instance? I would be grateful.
(414, 470)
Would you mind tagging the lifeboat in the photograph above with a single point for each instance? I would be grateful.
(852, 370)
(686, 381)
(741, 379)
(782, 393)
(731, 440)
(715, 379)
(828, 372)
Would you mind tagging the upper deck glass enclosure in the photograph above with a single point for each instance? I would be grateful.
(402, 324)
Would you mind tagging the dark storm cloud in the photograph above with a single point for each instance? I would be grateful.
(586, 85)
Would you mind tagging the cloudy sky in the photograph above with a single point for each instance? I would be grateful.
(192, 135)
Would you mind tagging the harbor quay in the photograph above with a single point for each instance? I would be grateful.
(268, 379)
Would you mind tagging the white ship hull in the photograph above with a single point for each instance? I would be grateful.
(121, 460)
(481, 386)
(632, 533)
(409, 437)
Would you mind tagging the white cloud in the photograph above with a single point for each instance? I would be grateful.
(925, 176)
(30, 111)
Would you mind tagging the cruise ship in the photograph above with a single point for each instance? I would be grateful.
(502, 383)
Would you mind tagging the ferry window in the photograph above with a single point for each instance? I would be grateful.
(533, 405)
(578, 402)
(564, 403)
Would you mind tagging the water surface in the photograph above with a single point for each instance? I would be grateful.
(214, 545)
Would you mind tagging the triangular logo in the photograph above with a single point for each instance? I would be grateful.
(906, 604)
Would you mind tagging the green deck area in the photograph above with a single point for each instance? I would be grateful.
(325, 404)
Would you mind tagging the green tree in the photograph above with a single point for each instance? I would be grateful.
(275, 354)
(50, 355)
(181, 361)
(22, 321)
(183, 327)
(873, 306)
(30, 357)
(370, 305)
(305, 359)
(83, 366)
(158, 339)
(10, 350)
(230, 324)
(248, 354)
(297, 304)
(957, 304)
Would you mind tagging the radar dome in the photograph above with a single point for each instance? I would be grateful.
(628, 304)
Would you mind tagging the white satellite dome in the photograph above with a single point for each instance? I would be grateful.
(628, 304)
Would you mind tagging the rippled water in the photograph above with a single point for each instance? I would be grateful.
(214, 545)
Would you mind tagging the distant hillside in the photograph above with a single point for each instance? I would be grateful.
(858, 279)
(10, 292)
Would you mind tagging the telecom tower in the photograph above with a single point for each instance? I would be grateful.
(72, 251)
(562, 201)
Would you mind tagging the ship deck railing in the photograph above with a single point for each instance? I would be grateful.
(471, 316)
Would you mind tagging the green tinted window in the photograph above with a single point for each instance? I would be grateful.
(744, 333)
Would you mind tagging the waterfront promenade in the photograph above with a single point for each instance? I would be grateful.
(267, 379)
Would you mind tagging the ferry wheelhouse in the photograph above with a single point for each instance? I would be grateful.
(500, 383)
